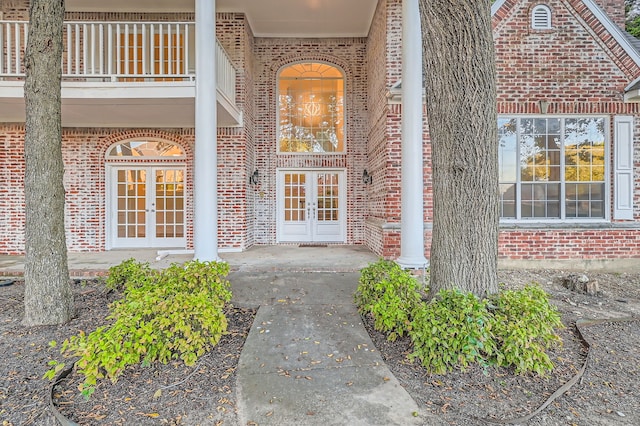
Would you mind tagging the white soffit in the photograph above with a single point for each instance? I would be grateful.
(305, 18)
(268, 18)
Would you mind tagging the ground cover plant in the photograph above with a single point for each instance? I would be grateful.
(454, 330)
(176, 313)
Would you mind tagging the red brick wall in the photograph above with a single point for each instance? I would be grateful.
(565, 66)
(84, 157)
(614, 9)
(235, 145)
(565, 63)
(13, 10)
(377, 86)
(11, 189)
(563, 244)
(270, 55)
(577, 74)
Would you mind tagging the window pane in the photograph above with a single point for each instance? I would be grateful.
(528, 150)
(540, 200)
(311, 105)
(507, 150)
(508, 200)
(584, 200)
(584, 149)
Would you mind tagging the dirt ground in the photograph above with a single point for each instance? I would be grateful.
(172, 394)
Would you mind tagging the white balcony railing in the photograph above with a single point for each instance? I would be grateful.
(119, 51)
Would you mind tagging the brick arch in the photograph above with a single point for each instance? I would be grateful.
(546, 3)
(327, 59)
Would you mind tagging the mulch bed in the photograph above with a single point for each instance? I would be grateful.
(171, 394)
(608, 394)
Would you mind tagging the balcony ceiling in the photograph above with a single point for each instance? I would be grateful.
(268, 18)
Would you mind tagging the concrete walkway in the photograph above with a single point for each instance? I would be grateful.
(308, 359)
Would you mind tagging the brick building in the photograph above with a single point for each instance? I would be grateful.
(295, 132)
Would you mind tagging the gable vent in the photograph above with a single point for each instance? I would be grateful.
(541, 17)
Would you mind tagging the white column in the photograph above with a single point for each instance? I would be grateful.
(412, 231)
(205, 217)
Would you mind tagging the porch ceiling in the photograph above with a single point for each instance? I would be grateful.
(268, 18)
(143, 107)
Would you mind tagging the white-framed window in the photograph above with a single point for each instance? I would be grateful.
(553, 168)
(541, 17)
(311, 112)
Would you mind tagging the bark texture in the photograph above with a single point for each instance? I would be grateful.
(48, 298)
(459, 75)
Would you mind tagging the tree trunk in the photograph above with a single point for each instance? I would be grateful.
(459, 75)
(48, 298)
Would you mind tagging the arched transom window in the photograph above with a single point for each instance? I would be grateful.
(147, 149)
(311, 108)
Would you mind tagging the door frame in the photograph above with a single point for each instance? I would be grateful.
(342, 202)
(111, 240)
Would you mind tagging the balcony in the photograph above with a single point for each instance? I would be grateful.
(120, 74)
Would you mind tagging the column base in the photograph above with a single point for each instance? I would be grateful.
(417, 262)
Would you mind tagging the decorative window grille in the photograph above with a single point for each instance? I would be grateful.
(541, 17)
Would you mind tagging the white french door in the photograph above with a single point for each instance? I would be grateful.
(146, 206)
(311, 206)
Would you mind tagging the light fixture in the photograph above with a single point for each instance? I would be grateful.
(253, 178)
(367, 179)
(544, 106)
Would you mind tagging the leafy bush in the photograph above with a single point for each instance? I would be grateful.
(455, 329)
(452, 330)
(129, 273)
(391, 295)
(524, 323)
(175, 314)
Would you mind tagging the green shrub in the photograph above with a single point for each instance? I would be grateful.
(452, 331)
(524, 323)
(130, 273)
(455, 329)
(174, 314)
(391, 295)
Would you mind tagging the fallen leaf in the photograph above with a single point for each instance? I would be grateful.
(150, 415)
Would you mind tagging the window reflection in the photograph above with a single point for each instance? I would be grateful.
(552, 167)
